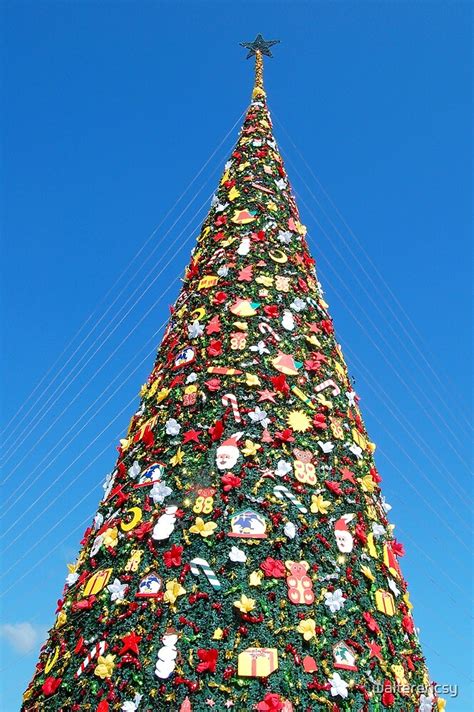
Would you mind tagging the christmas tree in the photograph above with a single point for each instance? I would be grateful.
(241, 557)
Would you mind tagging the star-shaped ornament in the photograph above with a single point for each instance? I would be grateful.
(130, 643)
(259, 45)
(347, 475)
(266, 395)
(191, 436)
(375, 650)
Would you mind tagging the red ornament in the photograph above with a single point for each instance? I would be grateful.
(130, 643)
(388, 698)
(273, 568)
(172, 557)
(270, 703)
(50, 685)
(208, 660)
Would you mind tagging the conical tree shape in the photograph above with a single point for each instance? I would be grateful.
(241, 557)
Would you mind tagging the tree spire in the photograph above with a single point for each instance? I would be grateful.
(257, 49)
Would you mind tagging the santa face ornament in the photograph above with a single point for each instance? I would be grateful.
(228, 453)
(344, 539)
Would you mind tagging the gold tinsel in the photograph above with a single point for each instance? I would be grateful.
(258, 89)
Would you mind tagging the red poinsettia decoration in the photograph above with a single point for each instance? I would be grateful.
(216, 430)
(220, 298)
(285, 436)
(280, 384)
(208, 660)
(230, 481)
(213, 384)
(388, 698)
(319, 421)
(273, 568)
(270, 703)
(172, 557)
(215, 348)
(271, 310)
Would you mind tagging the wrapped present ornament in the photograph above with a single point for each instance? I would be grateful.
(385, 602)
(257, 662)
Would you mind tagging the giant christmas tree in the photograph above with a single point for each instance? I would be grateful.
(241, 557)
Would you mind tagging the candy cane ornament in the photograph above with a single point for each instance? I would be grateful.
(230, 399)
(328, 384)
(267, 329)
(197, 564)
(96, 651)
(216, 255)
(280, 491)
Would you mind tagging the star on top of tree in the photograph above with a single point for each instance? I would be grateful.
(259, 45)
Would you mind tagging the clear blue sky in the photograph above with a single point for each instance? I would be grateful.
(110, 109)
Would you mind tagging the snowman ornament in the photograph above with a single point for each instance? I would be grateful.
(167, 654)
(165, 525)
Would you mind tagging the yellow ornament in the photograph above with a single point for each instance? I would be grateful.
(385, 602)
(278, 256)
(257, 662)
(210, 280)
(177, 459)
(105, 666)
(370, 546)
(307, 628)
(319, 504)
(218, 633)
(299, 421)
(251, 380)
(52, 660)
(233, 193)
(255, 578)
(263, 279)
(367, 484)
(96, 582)
(61, 619)
(173, 590)
(203, 528)
(110, 537)
(367, 573)
(135, 517)
(245, 605)
(250, 449)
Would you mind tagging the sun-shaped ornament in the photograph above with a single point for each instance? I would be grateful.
(299, 421)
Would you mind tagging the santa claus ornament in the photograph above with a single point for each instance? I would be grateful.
(228, 453)
(344, 538)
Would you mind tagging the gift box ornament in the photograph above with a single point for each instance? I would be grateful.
(257, 662)
(385, 602)
(210, 280)
(96, 582)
